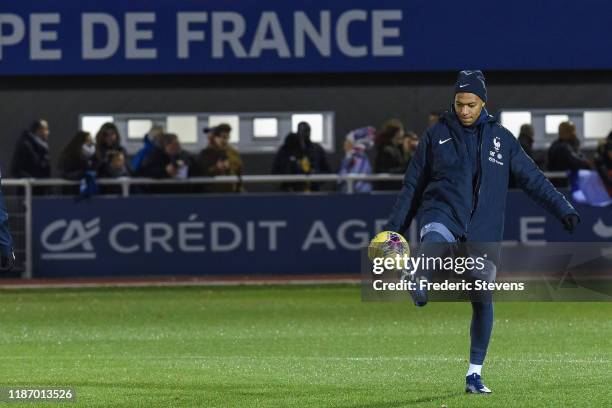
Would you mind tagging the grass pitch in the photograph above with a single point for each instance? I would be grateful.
(296, 347)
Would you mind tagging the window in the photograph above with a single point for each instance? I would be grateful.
(265, 127)
(597, 124)
(232, 120)
(252, 132)
(314, 120)
(185, 127)
(92, 123)
(514, 120)
(552, 123)
(137, 128)
(592, 124)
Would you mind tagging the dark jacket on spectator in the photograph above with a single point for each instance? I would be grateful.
(318, 158)
(389, 159)
(563, 156)
(103, 155)
(318, 161)
(31, 157)
(603, 165)
(154, 166)
(74, 168)
(291, 159)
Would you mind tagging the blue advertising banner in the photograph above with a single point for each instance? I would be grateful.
(242, 235)
(45, 37)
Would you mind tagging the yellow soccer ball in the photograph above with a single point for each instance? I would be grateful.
(388, 244)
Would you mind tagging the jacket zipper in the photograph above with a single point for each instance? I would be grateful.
(476, 189)
(476, 192)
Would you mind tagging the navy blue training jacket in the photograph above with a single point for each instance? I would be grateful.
(439, 184)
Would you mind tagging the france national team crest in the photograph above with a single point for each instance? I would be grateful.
(494, 155)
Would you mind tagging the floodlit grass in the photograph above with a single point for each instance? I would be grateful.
(296, 347)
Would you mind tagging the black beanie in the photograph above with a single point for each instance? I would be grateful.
(471, 82)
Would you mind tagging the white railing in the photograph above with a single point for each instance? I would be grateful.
(126, 182)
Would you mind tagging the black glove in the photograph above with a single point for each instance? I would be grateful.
(7, 262)
(570, 221)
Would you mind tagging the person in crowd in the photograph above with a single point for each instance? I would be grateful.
(115, 165)
(564, 153)
(291, 159)
(603, 163)
(389, 155)
(315, 152)
(433, 118)
(108, 139)
(233, 156)
(219, 159)
(526, 139)
(78, 157)
(151, 140)
(315, 160)
(356, 161)
(167, 161)
(31, 157)
(409, 145)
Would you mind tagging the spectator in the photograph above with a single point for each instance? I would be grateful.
(108, 139)
(315, 152)
(433, 118)
(564, 154)
(31, 156)
(224, 130)
(78, 157)
(409, 145)
(356, 143)
(603, 163)
(219, 159)
(525, 138)
(167, 161)
(115, 166)
(151, 141)
(291, 159)
(389, 156)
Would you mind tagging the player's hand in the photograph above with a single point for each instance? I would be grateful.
(570, 221)
(7, 262)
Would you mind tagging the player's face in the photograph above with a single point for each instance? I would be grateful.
(468, 107)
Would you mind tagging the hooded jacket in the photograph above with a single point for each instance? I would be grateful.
(31, 158)
(440, 186)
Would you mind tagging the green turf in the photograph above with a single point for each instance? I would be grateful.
(296, 347)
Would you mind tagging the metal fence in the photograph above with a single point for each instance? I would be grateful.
(18, 194)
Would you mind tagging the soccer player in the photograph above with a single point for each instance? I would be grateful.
(456, 186)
